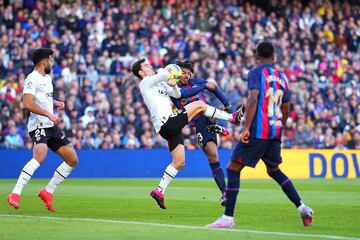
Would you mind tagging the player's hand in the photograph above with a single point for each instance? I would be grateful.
(245, 136)
(54, 119)
(210, 86)
(228, 109)
(171, 83)
(60, 105)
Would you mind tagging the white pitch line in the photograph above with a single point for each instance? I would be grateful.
(185, 227)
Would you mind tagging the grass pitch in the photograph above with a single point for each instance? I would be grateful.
(122, 209)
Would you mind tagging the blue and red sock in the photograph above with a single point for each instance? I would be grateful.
(218, 175)
(232, 191)
(286, 186)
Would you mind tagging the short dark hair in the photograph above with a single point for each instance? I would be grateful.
(40, 54)
(186, 64)
(265, 50)
(136, 67)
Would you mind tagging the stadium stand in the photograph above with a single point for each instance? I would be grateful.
(317, 46)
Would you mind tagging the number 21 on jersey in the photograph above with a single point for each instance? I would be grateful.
(274, 102)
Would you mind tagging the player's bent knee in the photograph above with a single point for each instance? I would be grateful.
(271, 169)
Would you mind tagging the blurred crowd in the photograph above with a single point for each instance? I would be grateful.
(95, 43)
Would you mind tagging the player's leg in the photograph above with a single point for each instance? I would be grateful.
(39, 155)
(272, 159)
(243, 155)
(196, 107)
(61, 146)
(211, 152)
(177, 150)
(208, 143)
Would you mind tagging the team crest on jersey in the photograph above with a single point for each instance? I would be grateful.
(29, 85)
(183, 101)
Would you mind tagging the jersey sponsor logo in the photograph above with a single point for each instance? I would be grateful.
(29, 85)
(161, 92)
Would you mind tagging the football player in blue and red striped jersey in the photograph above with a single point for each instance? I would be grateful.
(267, 110)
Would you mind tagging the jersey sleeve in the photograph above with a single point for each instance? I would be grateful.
(161, 76)
(30, 86)
(189, 92)
(173, 91)
(199, 81)
(254, 80)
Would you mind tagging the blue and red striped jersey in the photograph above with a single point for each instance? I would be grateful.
(273, 91)
(194, 92)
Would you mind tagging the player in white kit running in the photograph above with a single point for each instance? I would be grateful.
(38, 99)
(156, 89)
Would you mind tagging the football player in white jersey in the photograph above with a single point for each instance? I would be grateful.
(156, 89)
(38, 99)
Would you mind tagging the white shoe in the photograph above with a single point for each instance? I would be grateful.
(222, 222)
(306, 214)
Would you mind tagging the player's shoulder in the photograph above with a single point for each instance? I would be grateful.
(197, 80)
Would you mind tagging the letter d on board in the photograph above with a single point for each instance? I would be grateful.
(312, 157)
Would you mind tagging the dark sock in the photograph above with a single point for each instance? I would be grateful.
(232, 191)
(218, 175)
(286, 186)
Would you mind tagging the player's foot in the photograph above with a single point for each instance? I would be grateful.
(222, 222)
(47, 197)
(159, 198)
(223, 200)
(13, 199)
(218, 130)
(306, 214)
(237, 116)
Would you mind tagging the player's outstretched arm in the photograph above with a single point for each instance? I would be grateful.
(212, 87)
(29, 104)
(189, 92)
(161, 76)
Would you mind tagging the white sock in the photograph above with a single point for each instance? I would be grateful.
(217, 113)
(300, 208)
(61, 173)
(169, 175)
(25, 175)
(226, 217)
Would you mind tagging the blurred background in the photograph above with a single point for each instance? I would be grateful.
(95, 43)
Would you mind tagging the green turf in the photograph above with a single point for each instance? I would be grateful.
(192, 202)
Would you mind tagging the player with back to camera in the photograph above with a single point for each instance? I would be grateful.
(156, 89)
(266, 113)
(192, 89)
(38, 99)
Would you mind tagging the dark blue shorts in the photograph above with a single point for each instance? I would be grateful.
(202, 135)
(249, 154)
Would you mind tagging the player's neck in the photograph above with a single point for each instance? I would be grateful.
(41, 71)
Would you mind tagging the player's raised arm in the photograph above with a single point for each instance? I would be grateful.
(189, 92)
(173, 90)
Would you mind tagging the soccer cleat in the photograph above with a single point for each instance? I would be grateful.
(237, 116)
(223, 200)
(159, 198)
(307, 215)
(47, 197)
(218, 130)
(222, 222)
(13, 199)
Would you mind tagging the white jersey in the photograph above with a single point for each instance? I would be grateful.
(156, 94)
(41, 87)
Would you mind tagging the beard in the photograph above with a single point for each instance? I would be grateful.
(47, 70)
